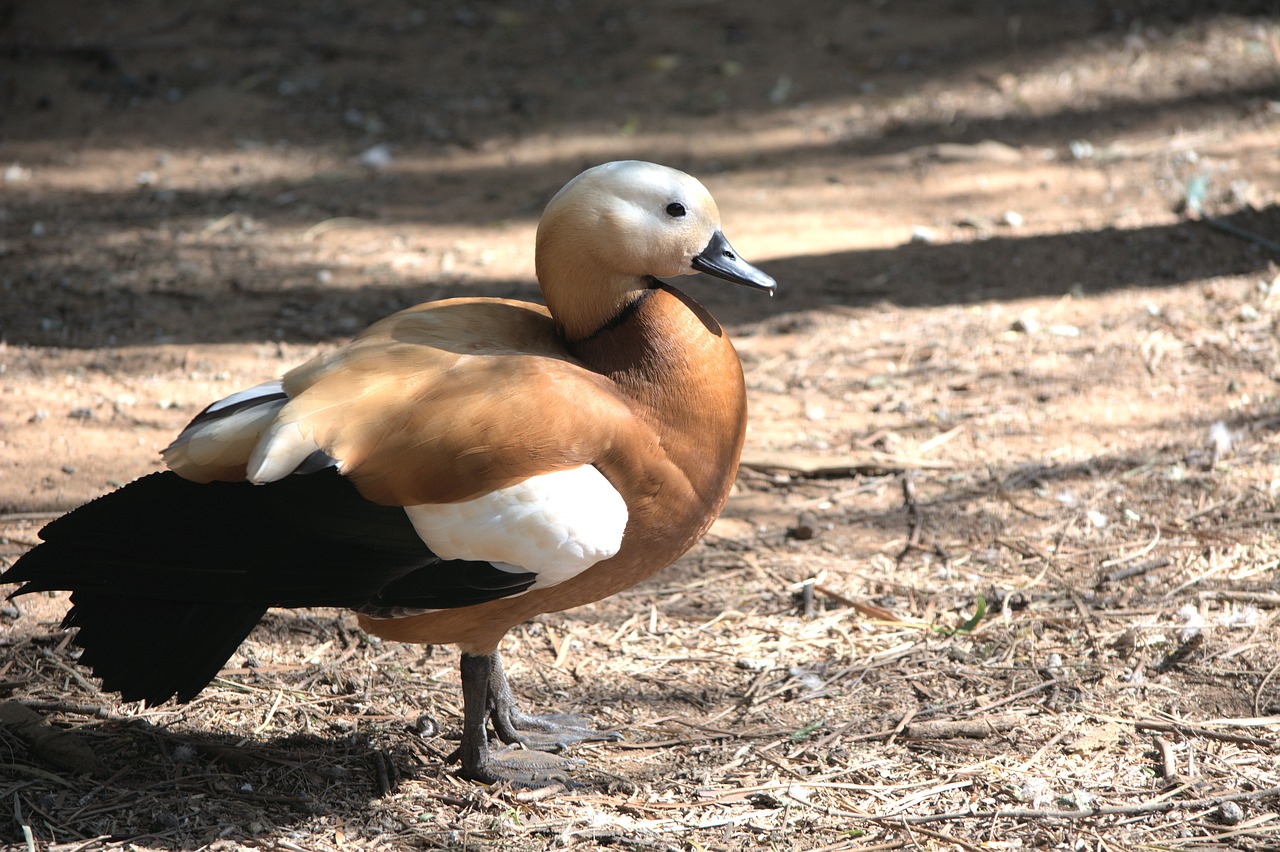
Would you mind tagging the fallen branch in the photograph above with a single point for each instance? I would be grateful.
(1255, 598)
(1194, 731)
(1164, 806)
(817, 467)
(946, 729)
(1168, 764)
(19, 517)
(1136, 570)
(98, 711)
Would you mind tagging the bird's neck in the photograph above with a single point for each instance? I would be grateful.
(676, 365)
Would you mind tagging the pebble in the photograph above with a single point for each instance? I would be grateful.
(378, 157)
(1027, 324)
(806, 528)
(1081, 149)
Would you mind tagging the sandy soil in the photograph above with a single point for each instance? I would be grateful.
(1024, 359)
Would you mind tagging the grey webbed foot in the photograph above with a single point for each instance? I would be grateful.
(487, 697)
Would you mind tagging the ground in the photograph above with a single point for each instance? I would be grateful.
(1000, 569)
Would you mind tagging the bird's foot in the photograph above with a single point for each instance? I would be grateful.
(525, 761)
(519, 767)
(552, 732)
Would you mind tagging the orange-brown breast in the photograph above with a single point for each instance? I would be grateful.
(673, 461)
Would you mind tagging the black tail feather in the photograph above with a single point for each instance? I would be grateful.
(169, 576)
(151, 650)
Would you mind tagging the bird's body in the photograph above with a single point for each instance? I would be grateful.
(456, 469)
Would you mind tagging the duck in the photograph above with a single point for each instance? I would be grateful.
(454, 470)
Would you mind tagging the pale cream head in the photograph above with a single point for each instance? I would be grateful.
(613, 227)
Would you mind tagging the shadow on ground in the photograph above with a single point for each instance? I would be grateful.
(277, 305)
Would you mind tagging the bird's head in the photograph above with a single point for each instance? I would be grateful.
(616, 226)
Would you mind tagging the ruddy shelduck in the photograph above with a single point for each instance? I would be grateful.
(454, 470)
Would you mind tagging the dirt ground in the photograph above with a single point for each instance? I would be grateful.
(1002, 567)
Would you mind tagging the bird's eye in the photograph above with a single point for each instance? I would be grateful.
(675, 210)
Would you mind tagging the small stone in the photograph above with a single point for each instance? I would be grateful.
(1026, 324)
(425, 726)
(1081, 149)
(921, 234)
(752, 664)
(806, 527)
(1229, 813)
(1220, 441)
(1012, 218)
(781, 90)
(378, 157)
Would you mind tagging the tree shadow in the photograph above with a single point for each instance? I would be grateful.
(449, 91)
(278, 307)
(1011, 267)
(184, 790)
(467, 75)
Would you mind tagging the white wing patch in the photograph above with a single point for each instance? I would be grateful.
(556, 525)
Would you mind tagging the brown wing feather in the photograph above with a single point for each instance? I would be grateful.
(452, 399)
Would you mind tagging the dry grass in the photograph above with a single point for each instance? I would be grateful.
(831, 692)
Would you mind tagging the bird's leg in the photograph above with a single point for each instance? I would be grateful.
(551, 732)
(473, 751)
(486, 696)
